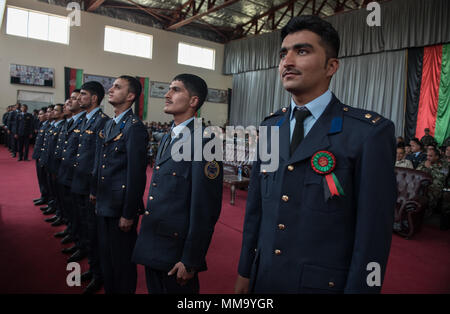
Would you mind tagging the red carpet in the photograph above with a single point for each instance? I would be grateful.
(31, 261)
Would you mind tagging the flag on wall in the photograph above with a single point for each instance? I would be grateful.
(73, 79)
(428, 92)
(141, 106)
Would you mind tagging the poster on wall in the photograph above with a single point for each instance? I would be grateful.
(217, 95)
(106, 81)
(159, 89)
(31, 75)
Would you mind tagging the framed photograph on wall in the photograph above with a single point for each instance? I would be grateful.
(31, 75)
(159, 89)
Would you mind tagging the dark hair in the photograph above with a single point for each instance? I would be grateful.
(401, 145)
(95, 88)
(51, 107)
(76, 90)
(436, 151)
(195, 85)
(328, 34)
(24, 105)
(416, 140)
(134, 86)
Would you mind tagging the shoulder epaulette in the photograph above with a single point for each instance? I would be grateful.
(279, 112)
(370, 117)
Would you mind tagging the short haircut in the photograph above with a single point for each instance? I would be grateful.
(327, 33)
(95, 88)
(76, 90)
(134, 86)
(195, 85)
(24, 105)
(435, 150)
(401, 145)
(51, 107)
(417, 141)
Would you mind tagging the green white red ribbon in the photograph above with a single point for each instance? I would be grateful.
(324, 162)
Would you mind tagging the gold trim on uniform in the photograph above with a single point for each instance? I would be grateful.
(117, 137)
(212, 170)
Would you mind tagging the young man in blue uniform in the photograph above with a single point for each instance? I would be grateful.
(321, 222)
(24, 131)
(184, 202)
(36, 155)
(119, 171)
(90, 97)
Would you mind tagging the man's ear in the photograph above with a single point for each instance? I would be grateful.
(332, 66)
(194, 102)
(131, 97)
(95, 99)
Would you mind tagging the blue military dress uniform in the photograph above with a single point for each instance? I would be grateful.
(295, 239)
(24, 128)
(43, 187)
(120, 170)
(183, 206)
(11, 125)
(81, 187)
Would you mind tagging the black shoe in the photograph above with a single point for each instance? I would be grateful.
(40, 202)
(13, 155)
(77, 256)
(57, 222)
(61, 234)
(50, 211)
(87, 276)
(37, 200)
(70, 250)
(44, 208)
(20, 159)
(26, 159)
(51, 219)
(67, 239)
(95, 285)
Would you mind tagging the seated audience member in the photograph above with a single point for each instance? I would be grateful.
(435, 168)
(427, 139)
(401, 161)
(417, 155)
(400, 139)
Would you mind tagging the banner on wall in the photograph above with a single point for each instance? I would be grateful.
(142, 104)
(428, 92)
(73, 79)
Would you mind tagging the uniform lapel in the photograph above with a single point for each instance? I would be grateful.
(77, 123)
(285, 136)
(167, 154)
(116, 129)
(318, 137)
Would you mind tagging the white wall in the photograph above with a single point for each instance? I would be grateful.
(85, 51)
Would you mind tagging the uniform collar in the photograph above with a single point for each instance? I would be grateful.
(176, 130)
(120, 116)
(90, 114)
(59, 122)
(79, 114)
(316, 106)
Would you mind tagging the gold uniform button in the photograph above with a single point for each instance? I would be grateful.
(285, 198)
(65, 142)
(277, 252)
(104, 155)
(103, 178)
(79, 145)
(115, 149)
(151, 198)
(281, 227)
(74, 165)
(78, 155)
(63, 158)
(154, 184)
(345, 109)
(290, 167)
(103, 166)
(174, 173)
(157, 168)
(57, 146)
(368, 116)
(123, 186)
(64, 150)
(331, 284)
(284, 109)
(147, 213)
(175, 234)
(264, 171)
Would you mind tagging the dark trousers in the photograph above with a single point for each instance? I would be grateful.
(69, 211)
(88, 232)
(13, 143)
(42, 180)
(51, 188)
(158, 282)
(24, 145)
(116, 248)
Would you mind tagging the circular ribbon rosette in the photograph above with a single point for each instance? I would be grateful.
(323, 162)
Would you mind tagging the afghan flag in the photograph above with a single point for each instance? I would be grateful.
(141, 106)
(428, 92)
(73, 79)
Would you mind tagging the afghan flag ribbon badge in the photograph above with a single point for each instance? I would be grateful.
(323, 162)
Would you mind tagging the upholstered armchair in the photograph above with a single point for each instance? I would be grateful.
(412, 200)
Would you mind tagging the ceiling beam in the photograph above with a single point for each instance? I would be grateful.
(160, 17)
(92, 5)
(197, 16)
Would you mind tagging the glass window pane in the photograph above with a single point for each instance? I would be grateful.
(112, 39)
(58, 30)
(37, 26)
(129, 43)
(17, 22)
(196, 56)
